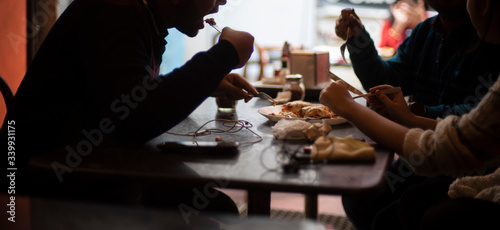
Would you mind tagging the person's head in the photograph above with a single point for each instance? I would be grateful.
(449, 8)
(188, 15)
(485, 16)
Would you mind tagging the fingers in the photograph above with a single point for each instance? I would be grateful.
(346, 12)
(242, 42)
(355, 21)
(341, 28)
(341, 83)
(249, 89)
(388, 101)
(233, 92)
(348, 20)
(383, 97)
(355, 26)
(239, 88)
(380, 87)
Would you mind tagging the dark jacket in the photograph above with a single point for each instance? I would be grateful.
(431, 66)
(94, 82)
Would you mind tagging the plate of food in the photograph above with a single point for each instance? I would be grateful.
(301, 110)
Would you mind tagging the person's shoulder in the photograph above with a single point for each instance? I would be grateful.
(119, 9)
(122, 2)
(426, 24)
(107, 2)
(424, 28)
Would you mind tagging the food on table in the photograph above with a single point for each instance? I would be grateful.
(286, 129)
(302, 109)
(345, 149)
(317, 111)
(283, 97)
(210, 21)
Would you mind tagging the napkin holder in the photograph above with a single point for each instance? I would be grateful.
(313, 66)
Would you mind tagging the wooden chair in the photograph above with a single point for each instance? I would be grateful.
(260, 57)
(262, 61)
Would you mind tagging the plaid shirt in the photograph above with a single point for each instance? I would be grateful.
(433, 66)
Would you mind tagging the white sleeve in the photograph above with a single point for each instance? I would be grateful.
(440, 152)
(459, 146)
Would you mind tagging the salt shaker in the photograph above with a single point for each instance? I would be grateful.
(294, 84)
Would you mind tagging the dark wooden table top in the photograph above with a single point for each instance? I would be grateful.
(255, 166)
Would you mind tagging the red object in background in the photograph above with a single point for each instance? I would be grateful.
(390, 38)
(13, 46)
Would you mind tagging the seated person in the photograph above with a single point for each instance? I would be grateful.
(443, 65)
(458, 146)
(404, 16)
(435, 65)
(94, 84)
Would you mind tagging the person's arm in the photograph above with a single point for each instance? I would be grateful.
(458, 146)
(118, 62)
(395, 107)
(377, 127)
(368, 65)
(372, 70)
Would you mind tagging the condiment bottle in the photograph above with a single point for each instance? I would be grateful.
(284, 63)
(294, 84)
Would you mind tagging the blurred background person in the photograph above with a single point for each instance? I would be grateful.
(404, 16)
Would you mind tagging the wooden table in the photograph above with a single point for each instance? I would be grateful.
(254, 168)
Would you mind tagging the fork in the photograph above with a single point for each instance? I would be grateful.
(266, 96)
(212, 23)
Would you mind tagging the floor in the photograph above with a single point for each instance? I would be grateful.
(327, 204)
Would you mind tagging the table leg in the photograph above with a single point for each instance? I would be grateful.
(311, 205)
(259, 202)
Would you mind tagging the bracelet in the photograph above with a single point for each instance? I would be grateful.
(394, 34)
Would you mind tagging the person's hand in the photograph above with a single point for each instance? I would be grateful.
(378, 105)
(401, 11)
(337, 98)
(419, 13)
(407, 14)
(393, 106)
(235, 87)
(348, 24)
(242, 41)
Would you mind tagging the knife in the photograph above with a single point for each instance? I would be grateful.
(349, 86)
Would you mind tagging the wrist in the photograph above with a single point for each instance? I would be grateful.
(413, 121)
(418, 109)
(394, 34)
(349, 110)
(419, 119)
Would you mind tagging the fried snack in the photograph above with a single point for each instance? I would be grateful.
(295, 107)
(210, 21)
(317, 111)
(302, 109)
(298, 129)
(345, 149)
(286, 114)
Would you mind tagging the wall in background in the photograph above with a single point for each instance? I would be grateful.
(12, 44)
(270, 22)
